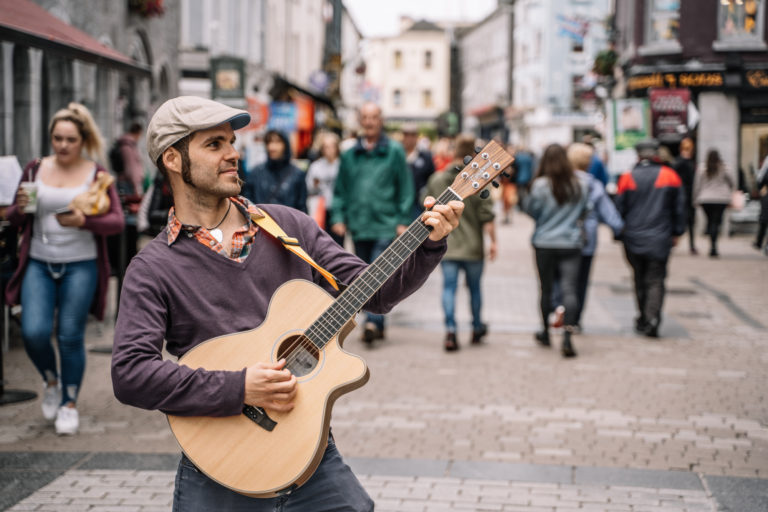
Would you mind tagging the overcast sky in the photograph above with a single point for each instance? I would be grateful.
(376, 18)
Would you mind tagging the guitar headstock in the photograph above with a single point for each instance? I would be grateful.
(489, 162)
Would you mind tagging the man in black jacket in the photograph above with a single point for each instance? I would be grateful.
(651, 200)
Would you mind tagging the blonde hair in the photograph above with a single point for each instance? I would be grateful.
(580, 155)
(80, 116)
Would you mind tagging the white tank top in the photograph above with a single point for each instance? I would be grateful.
(51, 241)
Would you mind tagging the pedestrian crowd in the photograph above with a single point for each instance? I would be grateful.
(363, 191)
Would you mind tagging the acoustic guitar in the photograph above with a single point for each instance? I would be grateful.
(264, 453)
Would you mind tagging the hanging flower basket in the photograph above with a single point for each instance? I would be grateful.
(146, 8)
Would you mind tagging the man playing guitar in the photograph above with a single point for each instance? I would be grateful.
(211, 273)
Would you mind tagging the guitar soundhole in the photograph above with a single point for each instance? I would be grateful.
(300, 353)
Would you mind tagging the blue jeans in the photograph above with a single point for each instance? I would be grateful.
(473, 271)
(333, 487)
(68, 287)
(369, 250)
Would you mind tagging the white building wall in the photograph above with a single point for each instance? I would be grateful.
(485, 62)
(351, 87)
(412, 80)
(546, 64)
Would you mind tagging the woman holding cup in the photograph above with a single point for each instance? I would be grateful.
(63, 268)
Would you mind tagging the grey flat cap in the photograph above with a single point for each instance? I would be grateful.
(179, 117)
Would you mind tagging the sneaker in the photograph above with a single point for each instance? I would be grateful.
(51, 401)
(67, 421)
(557, 317)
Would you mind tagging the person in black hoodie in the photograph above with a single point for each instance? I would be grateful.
(277, 181)
(685, 167)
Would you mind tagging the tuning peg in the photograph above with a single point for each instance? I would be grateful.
(506, 174)
(495, 184)
(484, 194)
(457, 168)
(467, 159)
(478, 149)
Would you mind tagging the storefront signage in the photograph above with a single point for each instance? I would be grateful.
(698, 79)
(669, 113)
(757, 79)
(282, 116)
(228, 77)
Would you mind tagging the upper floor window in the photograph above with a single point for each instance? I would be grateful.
(428, 59)
(398, 59)
(740, 24)
(427, 98)
(397, 98)
(662, 21)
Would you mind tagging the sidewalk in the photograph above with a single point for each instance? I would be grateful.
(631, 424)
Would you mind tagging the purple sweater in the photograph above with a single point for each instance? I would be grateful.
(186, 294)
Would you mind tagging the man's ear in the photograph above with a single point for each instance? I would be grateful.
(172, 160)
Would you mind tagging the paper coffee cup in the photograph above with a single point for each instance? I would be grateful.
(31, 189)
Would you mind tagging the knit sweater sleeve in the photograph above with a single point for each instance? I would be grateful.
(140, 375)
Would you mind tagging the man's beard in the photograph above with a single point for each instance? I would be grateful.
(186, 175)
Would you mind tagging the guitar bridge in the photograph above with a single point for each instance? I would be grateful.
(260, 417)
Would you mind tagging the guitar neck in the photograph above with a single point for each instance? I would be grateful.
(346, 306)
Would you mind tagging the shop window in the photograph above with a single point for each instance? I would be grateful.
(662, 25)
(740, 24)
(398, 59)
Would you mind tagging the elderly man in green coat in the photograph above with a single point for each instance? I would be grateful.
(372, 197)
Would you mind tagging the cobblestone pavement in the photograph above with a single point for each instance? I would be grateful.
(486, 428)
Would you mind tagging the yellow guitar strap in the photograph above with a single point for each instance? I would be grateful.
(269, 225)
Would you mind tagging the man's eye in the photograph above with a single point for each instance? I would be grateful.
(215, 144)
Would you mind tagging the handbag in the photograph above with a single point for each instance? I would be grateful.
(95, 200)
(737, 200)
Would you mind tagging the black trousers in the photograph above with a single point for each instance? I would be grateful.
(649, 274)
(565, 264)
(714, 213)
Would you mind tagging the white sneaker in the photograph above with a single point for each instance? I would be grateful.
(67, 421)
(51, 401)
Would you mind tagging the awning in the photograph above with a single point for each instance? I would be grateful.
(26, 23)
(280, 84)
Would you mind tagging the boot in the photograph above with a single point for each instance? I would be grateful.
(542, 338)
(567, 348)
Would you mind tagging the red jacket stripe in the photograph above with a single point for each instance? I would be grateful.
(667, 178)
(626, 182)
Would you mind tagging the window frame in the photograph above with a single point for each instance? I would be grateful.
(754, 42)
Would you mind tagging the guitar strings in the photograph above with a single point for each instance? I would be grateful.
(305, 340)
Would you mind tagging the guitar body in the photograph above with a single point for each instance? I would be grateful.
(237, 452)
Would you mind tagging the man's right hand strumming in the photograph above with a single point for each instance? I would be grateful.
(270, 386)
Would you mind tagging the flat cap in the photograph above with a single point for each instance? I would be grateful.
(179, 117)
(647, 146)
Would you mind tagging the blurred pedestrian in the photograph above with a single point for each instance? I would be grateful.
(443, 153)
(685, 166)
(63, 267)
(651, 200)
(762, 190)
(596, 167)
(373, 197)
(321, 178)
(602, 210)
(466, 248)
(522, 167)
(558, 202)
(128, 168)
(277, 181)
(193, 283)
(713, 190)
(420, 162)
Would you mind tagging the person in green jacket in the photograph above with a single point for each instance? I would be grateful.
(466, 248)
(372, 197)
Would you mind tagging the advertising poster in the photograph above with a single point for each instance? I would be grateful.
(669, 114)
(630, 122)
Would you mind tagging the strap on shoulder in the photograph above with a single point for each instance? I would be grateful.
(269, 225)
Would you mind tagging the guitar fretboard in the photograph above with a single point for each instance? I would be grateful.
(362, 289)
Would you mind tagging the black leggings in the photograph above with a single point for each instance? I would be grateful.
(565, 263)
(714, 213)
